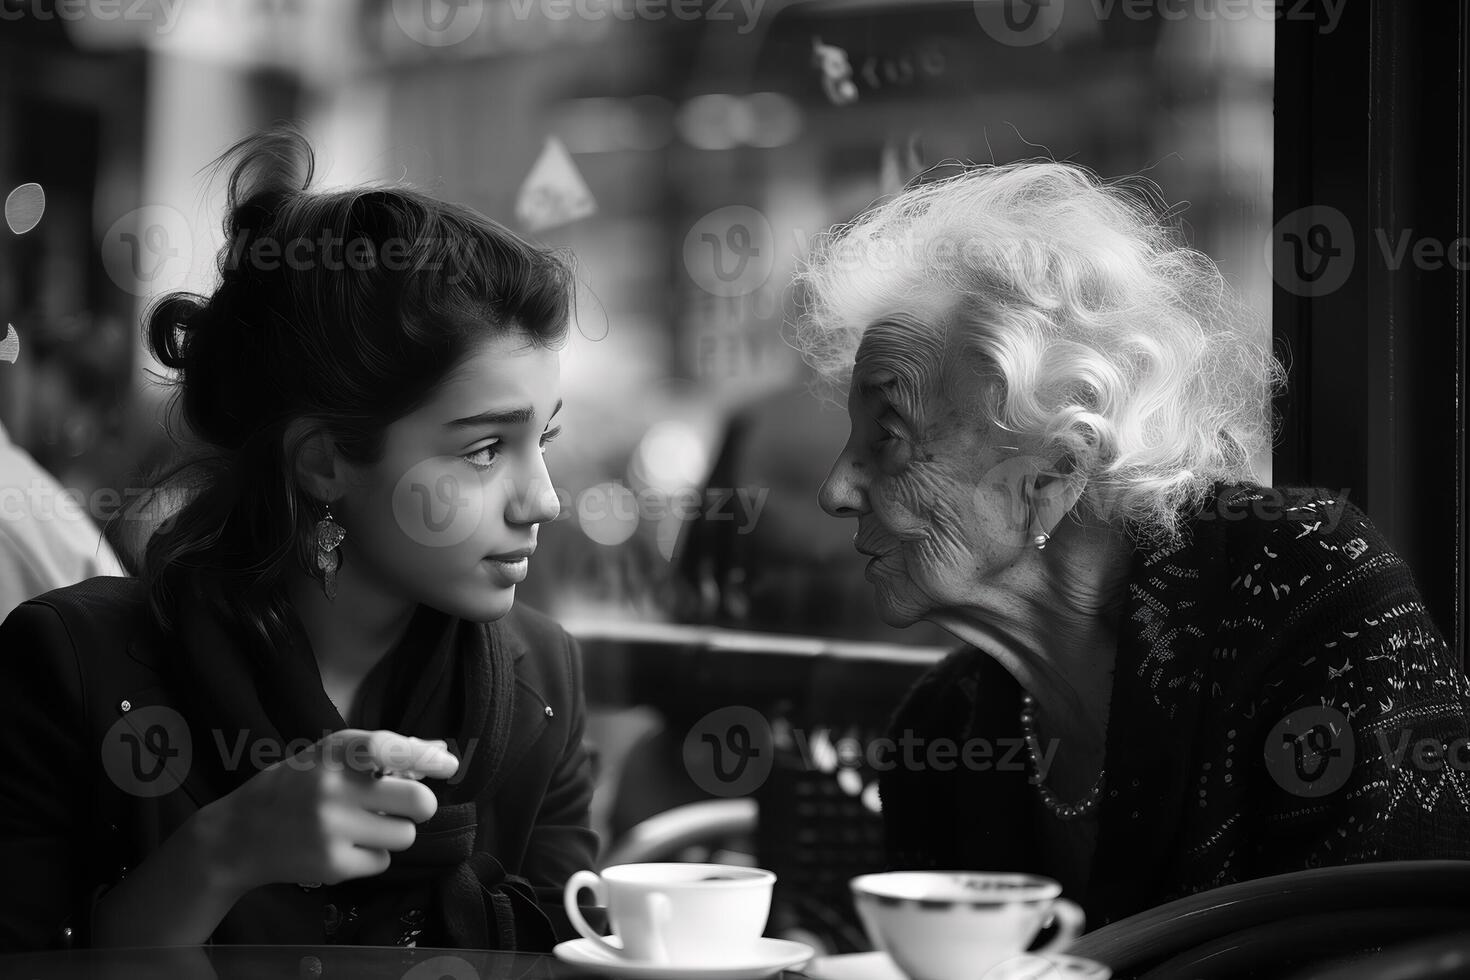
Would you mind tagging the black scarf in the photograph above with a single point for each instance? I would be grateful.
(446, 679)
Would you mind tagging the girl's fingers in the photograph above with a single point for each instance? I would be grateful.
(395, 797)
(379, 752)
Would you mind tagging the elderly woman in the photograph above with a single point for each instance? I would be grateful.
(1172, 677)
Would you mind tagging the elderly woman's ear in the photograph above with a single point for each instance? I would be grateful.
(1053, 494)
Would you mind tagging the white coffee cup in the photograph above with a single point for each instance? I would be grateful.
(676, 914)
(948, 925)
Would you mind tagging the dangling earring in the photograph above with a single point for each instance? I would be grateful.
(329, 535)
(1040, 539)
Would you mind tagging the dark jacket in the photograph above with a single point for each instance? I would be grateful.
(1281, 701)
(75, 660)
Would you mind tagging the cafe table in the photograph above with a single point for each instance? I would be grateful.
(223, 962)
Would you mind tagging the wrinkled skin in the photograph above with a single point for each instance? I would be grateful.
(948, 503)
(939, 492)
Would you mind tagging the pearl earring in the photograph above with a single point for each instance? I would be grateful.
(1039, 540)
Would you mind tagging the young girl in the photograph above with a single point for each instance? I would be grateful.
(314, 715)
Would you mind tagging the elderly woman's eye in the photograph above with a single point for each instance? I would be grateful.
(889, 429)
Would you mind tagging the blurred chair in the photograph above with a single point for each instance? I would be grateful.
(1292, 920)
(820, 820)
(1309, 941)
(716, 830)
(1438, 958)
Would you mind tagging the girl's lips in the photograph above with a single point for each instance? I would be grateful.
(512, 571)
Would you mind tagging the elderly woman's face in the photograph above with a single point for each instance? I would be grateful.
(926, 476)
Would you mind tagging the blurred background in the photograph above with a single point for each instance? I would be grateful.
(688, 152)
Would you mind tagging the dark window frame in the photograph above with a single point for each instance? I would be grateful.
(1371, 120)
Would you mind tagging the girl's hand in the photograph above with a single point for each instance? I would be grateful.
(333, 811)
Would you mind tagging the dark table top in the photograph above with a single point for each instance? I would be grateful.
(283, 963)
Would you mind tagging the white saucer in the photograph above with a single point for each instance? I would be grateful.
(767, 956)
(878, 966)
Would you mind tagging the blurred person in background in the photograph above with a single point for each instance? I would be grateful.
(782, 569)
(47, 538)
(1054, 406)
(334, 599)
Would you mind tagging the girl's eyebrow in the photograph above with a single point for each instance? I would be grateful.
(504, 416)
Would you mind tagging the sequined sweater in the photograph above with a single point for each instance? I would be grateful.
(1281, 700)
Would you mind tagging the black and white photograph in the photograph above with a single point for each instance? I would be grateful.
(734, 489)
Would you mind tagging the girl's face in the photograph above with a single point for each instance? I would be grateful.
(449, 516)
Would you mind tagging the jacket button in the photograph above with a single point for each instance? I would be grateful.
(549, 712)
(66, 934)
(126, 705)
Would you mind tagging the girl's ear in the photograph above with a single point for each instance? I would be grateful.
(318, 467)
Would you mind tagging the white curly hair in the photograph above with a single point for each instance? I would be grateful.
(1119, 349)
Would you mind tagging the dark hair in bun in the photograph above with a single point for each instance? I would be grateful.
(344, 307)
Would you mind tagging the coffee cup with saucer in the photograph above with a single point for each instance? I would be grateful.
(961, 925)
(673, 921)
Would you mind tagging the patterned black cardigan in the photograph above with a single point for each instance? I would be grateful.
(1281, 700)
